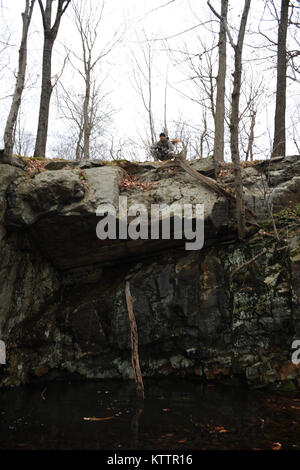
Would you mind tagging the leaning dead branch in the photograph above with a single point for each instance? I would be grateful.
(134, 344)
(244, 265)
(184, 164)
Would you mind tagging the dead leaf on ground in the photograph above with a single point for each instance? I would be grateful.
(132, 182)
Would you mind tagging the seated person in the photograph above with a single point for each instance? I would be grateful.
(163, 149)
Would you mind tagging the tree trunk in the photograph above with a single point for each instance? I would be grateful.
(50, 34)
(17, 96)
(202, 138)
(234, 124)
(42, 133)
(165, 106)
(78, 151)
(86, 120)
(280, 111)
(151, 124)
(220, 101)
(251, 136)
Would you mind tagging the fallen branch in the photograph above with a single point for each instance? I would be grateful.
(134, 344)
(239, 268)
(264, 251)
(207, 181)
(204, 179)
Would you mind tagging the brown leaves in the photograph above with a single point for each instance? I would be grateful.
(248, 163)
(34, 166)
(132, 182)
(169, 170)
(224, 173)
(228, 190)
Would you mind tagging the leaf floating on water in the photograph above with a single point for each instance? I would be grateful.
(98, 419)
(276, 446)
(220, 429)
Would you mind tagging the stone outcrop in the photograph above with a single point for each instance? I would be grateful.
(62, 300)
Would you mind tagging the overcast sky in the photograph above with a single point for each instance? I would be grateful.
(157, 19)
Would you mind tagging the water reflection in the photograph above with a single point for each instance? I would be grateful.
(135, 422)
(176, 414)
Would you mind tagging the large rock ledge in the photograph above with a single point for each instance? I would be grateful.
(54, 199)
(62, 301)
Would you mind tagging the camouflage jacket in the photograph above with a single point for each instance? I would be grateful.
(162, 150)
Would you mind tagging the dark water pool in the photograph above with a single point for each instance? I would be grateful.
(177, 414)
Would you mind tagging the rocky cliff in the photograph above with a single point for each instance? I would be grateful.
(203, 313)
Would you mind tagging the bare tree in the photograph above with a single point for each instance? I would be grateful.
(252, 92)
(234, 119)
(200, 72)
(196, 140)
(23, 140)
(20, 81)
(249, 151)
(296, 129)
(5, 36)
(280, 111)
(234, 124)
(70, 105)
(143, 78)
(88, 110)
(50, 34)
(165, 105)
(220, 100)
(199, 69)
(293, 55)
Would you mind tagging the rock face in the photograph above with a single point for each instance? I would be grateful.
(62, 299)
(53, 199)
(275, 181)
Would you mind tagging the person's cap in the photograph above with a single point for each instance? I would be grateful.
(162, 134)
